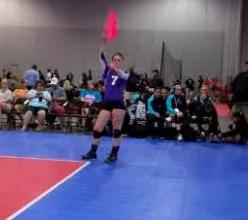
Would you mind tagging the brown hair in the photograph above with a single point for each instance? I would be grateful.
(118, 54)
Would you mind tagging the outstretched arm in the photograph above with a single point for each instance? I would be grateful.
(122, 74)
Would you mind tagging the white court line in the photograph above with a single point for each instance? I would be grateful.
(37, 158)
(47, 192)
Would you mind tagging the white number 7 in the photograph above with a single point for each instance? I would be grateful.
(114, 79)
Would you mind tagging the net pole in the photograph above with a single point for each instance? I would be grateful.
(162, 64)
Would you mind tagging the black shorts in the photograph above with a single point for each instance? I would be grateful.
(35, 110)
(109, 106)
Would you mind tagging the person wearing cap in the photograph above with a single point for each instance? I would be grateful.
(58, 95)
(176, 108)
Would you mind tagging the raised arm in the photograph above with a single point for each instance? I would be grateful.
(102, 57)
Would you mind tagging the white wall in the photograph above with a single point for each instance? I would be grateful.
(66, 33)
(175, 15)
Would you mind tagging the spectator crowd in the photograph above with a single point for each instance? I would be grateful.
(183, 111)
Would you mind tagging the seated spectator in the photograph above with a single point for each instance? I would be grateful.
(137, 114)
(89, 97)
(156, 111)
(165, 93)
(13, 80)
(5, 99)
(177, 109)
(37, 106)
(204, 114)
(58, 99)
(19, 98)
(68, 86)
(190, 87)
(238, 131)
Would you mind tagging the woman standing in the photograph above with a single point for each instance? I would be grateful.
(113, 108)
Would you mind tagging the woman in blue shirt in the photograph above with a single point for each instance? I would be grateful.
(89, 98)
(37, 106)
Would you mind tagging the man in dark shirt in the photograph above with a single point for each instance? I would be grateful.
(204, 114)
(240, 92)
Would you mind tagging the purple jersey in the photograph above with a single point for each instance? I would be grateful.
(115, 84)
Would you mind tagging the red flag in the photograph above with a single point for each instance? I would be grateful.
(111, 29)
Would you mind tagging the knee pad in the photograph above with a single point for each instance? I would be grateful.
(97, 134)
(117, 133)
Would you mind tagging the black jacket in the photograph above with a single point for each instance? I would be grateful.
(240, 88)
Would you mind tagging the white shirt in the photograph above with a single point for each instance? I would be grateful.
(6, 96)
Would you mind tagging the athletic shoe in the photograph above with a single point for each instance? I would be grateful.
(180, 137)
(89, 156)
(111, 158)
